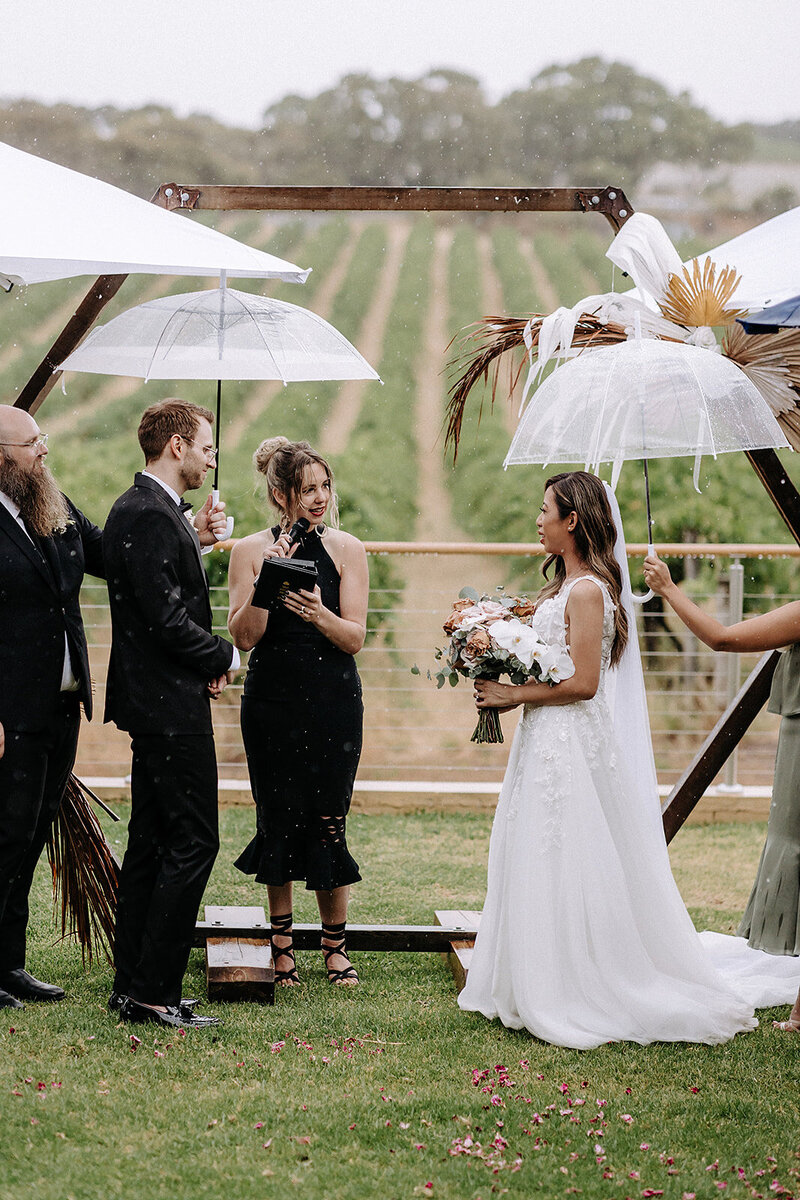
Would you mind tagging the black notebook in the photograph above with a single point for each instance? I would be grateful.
(279, 576)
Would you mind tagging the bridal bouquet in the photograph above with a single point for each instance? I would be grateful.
(493, 637)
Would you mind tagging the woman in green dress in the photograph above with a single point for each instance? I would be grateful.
(772, 918)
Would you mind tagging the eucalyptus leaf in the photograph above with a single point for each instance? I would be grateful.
(469, 593)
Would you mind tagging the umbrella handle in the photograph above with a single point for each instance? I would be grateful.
(222, 537)
(648, 594)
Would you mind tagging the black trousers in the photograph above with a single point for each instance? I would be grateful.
(33, 775)
(173, 839)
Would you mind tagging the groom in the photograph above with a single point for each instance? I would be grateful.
(165, 666)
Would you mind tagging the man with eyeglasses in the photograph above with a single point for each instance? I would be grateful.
(165, 667)
(46, 545)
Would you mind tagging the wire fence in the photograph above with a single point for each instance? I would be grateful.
(418, 735)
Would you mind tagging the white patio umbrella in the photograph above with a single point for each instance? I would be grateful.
(766, 257)
(219, 334)
(56, 223)
(643, 399)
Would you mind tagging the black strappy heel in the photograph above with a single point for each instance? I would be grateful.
(335, 933)
(282, 927)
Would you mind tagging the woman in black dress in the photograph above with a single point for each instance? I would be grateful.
(301, 708)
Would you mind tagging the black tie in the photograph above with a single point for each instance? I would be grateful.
(184, 505)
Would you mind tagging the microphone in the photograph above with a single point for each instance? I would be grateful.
(300, 527)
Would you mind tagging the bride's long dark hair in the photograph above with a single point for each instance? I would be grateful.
(584, 494)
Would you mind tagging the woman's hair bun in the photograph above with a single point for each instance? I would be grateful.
(264, 453)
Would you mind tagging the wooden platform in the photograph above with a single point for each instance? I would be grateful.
(459, 955)
(239, 961)
(414, 938)
(238, 965)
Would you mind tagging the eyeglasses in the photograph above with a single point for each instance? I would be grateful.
(33, 444)
(210, 453)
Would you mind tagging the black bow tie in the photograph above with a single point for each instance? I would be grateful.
(184, 505)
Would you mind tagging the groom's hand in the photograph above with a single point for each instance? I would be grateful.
(217, 686)
(210, 522)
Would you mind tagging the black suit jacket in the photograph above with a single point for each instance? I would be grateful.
(163, 652)
(39, 603)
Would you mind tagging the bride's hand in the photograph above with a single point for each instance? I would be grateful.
(491, 694)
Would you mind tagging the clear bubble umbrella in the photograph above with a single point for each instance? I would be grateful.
(643, 399)
(220, 334)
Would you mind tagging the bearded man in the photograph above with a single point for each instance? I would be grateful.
(46, 545)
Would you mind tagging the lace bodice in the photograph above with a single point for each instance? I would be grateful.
(549, 620)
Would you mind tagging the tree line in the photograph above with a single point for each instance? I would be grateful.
(587, 122)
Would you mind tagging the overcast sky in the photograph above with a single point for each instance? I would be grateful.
(234, 57)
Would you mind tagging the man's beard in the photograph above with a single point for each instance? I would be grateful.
(36, 492)
(192, 476)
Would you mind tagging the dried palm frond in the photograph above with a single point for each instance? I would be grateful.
(772, 362)
(700, 297)
(85, 873)
(482, 347)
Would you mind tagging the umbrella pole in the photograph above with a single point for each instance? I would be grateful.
(647, 499)
(648, 595)
(219, 439)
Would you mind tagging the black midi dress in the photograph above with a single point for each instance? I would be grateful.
(302, 718)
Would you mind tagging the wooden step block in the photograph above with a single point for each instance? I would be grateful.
(434, 939)
(239, 968)
(459, 955)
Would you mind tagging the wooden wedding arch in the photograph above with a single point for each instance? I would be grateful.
(611, 203)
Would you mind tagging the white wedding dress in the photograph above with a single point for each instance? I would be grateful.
(584, 938)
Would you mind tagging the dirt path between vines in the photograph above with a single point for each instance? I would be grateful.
(45, 331)
(543, 285)
(429, 728)
(264, 391)
(493, 304)
(343, 417)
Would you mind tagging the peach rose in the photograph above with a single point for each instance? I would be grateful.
(454, 620)
(524, 608)
(478, 643)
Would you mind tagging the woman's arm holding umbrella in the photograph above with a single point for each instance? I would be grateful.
(769, 631)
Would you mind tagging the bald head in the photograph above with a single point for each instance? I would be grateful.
(16, 425)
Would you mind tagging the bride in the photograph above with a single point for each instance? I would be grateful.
(584, 938)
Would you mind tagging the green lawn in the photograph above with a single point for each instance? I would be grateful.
(388, 1090)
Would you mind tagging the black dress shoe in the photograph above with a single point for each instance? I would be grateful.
(22, 985)
(175, 1017)
(9, 1001)
(117, 999)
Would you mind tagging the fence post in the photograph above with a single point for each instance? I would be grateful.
(735, 613)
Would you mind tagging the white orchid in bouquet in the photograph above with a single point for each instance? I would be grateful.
(493, 637)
